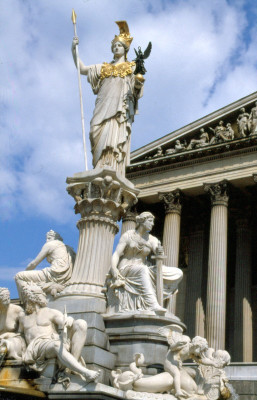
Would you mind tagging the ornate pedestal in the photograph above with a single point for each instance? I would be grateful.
(138, 333)
(102, 197)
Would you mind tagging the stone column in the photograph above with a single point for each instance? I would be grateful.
(101, 198)
(128, 221)
(243, 311)
(194, 312)
(217, 265)
(171, 232)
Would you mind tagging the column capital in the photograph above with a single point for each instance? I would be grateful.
(172, 201)
(101, 193)
(218, 192)
(129, 215)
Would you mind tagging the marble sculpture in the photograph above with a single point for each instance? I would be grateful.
(208, 381)
(132, 278)
(118, 91)
(54, 278)
(50, 334)
(38, 335)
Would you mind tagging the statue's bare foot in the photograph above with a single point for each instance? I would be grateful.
(91, 375)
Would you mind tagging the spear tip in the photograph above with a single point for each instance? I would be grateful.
(73, 17)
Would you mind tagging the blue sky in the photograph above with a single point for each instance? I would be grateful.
(204, 57)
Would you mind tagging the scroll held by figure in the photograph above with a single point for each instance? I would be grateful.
(132, 279)
(118, 90)
(51, 279)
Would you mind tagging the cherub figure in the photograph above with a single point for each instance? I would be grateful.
(179, 350)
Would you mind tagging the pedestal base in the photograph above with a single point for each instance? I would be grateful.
(138, 333)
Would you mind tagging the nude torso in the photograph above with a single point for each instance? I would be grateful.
(39, 323)
(9, 318)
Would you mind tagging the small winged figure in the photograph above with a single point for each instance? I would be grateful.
(140, 67)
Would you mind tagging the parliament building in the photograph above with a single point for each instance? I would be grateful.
(200, 182)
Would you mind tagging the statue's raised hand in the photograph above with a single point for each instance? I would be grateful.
(75, 41)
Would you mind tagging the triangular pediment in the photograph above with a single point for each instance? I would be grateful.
(205, 134)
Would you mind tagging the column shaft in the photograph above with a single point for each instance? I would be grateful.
(243, 311)
(128, 222)
(94, 248)
(171, 236)
(171, 233)
(194, 313)
(217, 267)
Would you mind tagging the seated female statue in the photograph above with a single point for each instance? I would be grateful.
(132, 283)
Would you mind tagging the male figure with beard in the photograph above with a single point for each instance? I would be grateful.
(12, 344)
(41, 324)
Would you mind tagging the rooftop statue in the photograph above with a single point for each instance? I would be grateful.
(242, 123)
(40, 326)
(118, 90)
(54, 278)
(12, 344)
(132, 277)
(253, 120)
(201, 142)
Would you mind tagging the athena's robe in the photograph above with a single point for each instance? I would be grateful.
(115, 107)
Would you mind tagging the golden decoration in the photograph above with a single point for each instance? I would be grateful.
(225, 393)
(124, 36)
(121, 69)
(73, 17)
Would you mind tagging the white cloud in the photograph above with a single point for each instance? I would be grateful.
(191, 72)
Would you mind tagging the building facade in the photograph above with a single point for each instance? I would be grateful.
(200, 182)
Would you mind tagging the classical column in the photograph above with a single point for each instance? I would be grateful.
(243, 311)
(171, 232)
(217, 265)
(194, 311)
(100, 199)
(128, 221)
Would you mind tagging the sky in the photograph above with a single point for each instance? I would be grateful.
(204, 57)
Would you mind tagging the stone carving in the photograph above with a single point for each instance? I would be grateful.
(208, 381)
(229, 132)
(201, 142)
(246, 123)
(50, 334)
(172, 201)
(101, 188)
(242, 123)
(118, 91)
(219, 134)
(159, 153)
(253, 120)
(12, 344)
(218, 192)
(52, 279)
(178, 148)
(131, 282)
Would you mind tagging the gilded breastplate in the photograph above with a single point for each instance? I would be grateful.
(122, 69)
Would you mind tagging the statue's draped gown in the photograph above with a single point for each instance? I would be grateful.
(115, 107)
